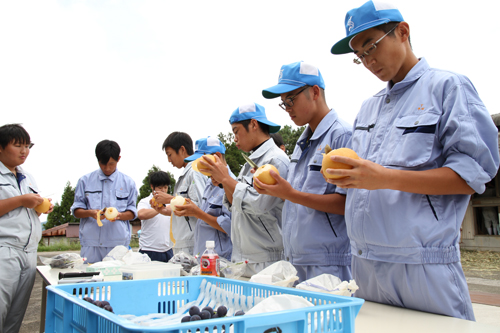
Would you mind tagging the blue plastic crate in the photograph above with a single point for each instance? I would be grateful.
(68, 312)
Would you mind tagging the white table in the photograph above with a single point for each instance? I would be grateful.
(373, 317)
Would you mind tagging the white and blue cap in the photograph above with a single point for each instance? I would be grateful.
(206, 146)
(253, 111)
(294, 76)
(369, 15)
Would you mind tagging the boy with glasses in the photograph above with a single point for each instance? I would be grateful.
(426, 143)
(20, 228)
(314, 231)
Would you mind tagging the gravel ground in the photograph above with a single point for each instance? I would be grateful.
(481, 268)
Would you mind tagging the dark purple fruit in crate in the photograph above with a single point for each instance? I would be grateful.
(221, 311)
(209, 309)
(195, 318)
(98, 303)
(194, 310)
(104, 303)
(205, 315)
(239, 313)
(108, 308)
(185, 319)
(88, 299)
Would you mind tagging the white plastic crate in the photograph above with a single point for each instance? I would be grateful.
(68, 312)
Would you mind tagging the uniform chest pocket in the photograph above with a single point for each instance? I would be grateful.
(315, 182)
(361, 138)
(8, 191)
(412, 139)
(248, 180)
(121, 200)
(94, 199)
(183, 191)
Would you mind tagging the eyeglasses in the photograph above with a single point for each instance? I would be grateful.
(31, 145)
(371, 49)
(288, 102)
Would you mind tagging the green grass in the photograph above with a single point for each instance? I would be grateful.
(59, 247)
(134, 243)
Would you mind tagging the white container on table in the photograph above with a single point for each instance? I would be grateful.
(150, 270)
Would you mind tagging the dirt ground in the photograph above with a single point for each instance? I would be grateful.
(481, 267)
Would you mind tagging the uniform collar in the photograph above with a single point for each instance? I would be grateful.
(413, 75)
(5, 171)
(262, 149)
(112, 177)
(322, 128)
(186, 168)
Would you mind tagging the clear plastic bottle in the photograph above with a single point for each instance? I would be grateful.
(210, 264)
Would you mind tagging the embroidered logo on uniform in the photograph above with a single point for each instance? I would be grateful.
(281, 75)
(350, 23)
(421, 107)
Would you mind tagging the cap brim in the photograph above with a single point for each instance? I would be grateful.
(193, 157)
(277, 90)
(342, 46)
(273, 128)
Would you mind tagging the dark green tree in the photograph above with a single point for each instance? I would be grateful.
(290, 137)
(145, 189)
(62, 212)
(233, 155)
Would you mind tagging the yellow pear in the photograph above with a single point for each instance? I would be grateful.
(111, 213)
(263, 174)
(197, 165)
(329, 164)
(43, 207)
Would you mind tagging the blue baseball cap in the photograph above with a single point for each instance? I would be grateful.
(369, 15)
(253, 111)
(294, 76)
(206, 146)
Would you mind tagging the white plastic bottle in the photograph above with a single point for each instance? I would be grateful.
(210, 264)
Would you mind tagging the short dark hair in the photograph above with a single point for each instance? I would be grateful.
(159, 178)
(278, 139)
(107, 149)
(263, 127)
(387, 27)
(178, 139)
(14, 133)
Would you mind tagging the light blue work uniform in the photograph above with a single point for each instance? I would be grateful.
(431, 119)
(311, 237)
(256, 218)
(20, 232)
(190, 184)
(211, 203)
(98, 191)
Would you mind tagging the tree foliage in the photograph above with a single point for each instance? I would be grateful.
(290, 137)
(233, 154)
(62, 212)
(145, 189)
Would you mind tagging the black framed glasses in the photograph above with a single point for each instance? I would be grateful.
(288, 102)
(372, 48)
(31, 145)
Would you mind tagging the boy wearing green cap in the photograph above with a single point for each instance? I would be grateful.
(426, 143)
